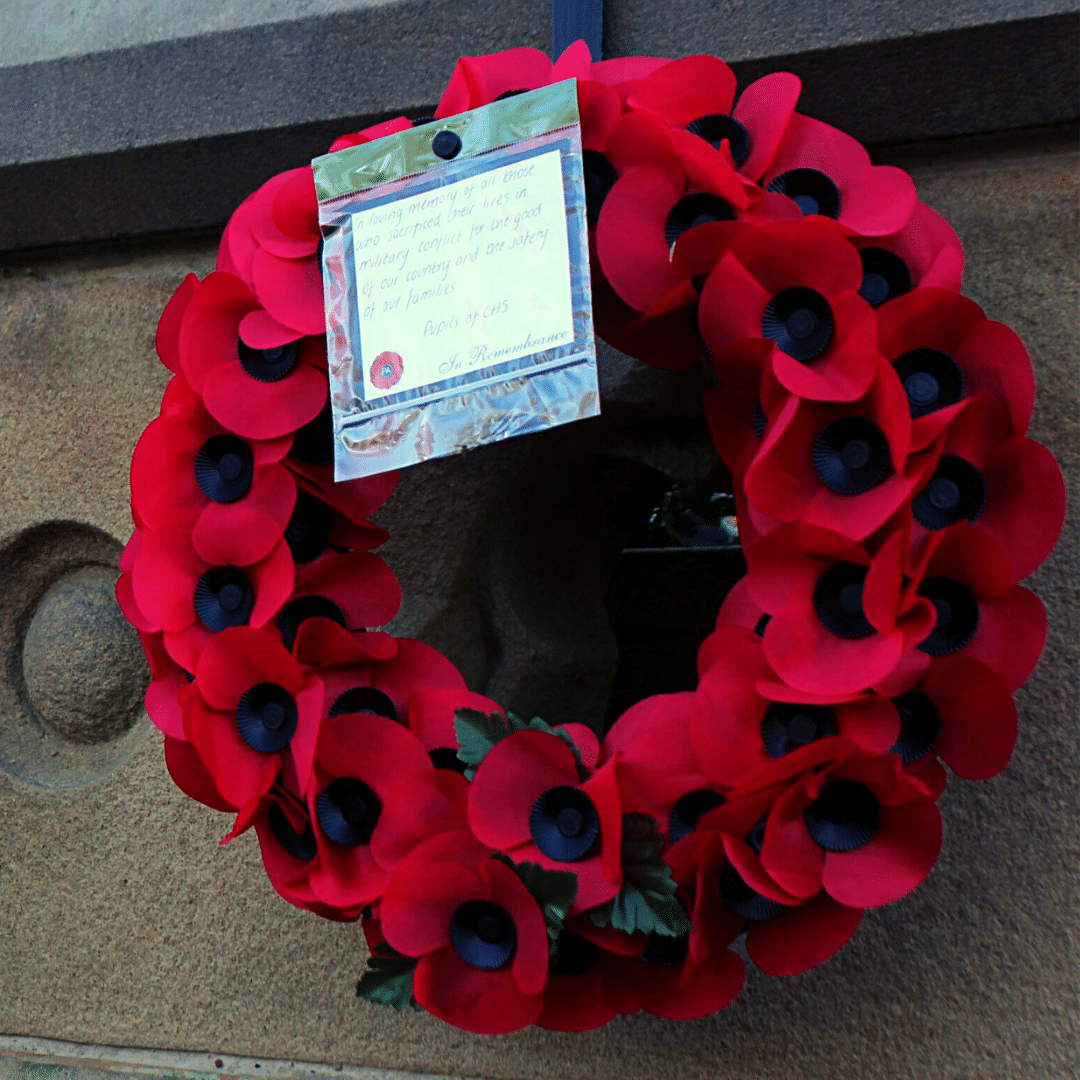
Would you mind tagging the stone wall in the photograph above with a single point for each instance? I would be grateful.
(126, 924)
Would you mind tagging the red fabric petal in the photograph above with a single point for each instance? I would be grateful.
(290, 290)
(896, 860)
(431, 714)
(1025, 504)
(630, 237)
(209, 328)
(427, 888)
(685, 89)
(191, 776)
(530, 962)
(272, 580)
(167, 339)
(261, 410)
(246, 531)
(513, 775)
(360, 583)
(261, 331)
(240, 773)
(487, 1002)
(421, 806)
(803, 937)
(788, 853)
(163, 706)
(978, 714)
(764, 108)
(809, 657)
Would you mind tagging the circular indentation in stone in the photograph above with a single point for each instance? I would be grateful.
(73, 673)
(83, 666)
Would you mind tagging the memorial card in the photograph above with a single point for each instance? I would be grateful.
(456, 278)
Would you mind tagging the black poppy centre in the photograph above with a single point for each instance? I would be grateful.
(885, 276)
(786, 727)
(956, 492)
(309, 528)
(224, 468)
(306, 607)
(838, 601)
(364, 699)
(348, 811)
(690, 809)
(931, 379)
(690, 211)
(812, 191)
(851, 455)
(844, 816)
(268, 365)
(800, 321)
(300, 846)
(717, 127)
(266, 717)
(920, 726)
(224, 597)
(483, 934)
(742, 900)
(564, 823)
(957, 615)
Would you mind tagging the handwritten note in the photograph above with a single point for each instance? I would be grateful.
(462, 277)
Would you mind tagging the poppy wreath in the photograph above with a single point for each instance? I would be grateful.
(889, 501)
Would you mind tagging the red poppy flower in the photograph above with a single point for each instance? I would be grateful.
(186, 462)
(125, 593)
(961, 712)
(746, 717)
(167, 339)
(582, 982)
(480, 80)
(738, 609)
(842, 466)
(666, 981)
(360, 760)
(945, 350)
(356, 590)
(423, 804)
(386, 369)
(169, 689)
(785, 934)
(191, 599)
(658, 771)
(385, 686)
(925, 253)
(526, 800)
(649, 208)
(257, 377)
(840, 619)
(828, 173)
(356, 499)
(1010, 488)
(478, 934)
(431, 720)
(980, 614)
(287, 843)
(856, 825)
(254, 714)
(192, 777)
(796, 284)
(696, 93)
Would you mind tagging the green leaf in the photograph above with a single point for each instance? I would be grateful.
(553, 891)
(388, 979)
(477, 733)
(647, 900)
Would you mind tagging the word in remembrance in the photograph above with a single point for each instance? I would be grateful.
(466, 276)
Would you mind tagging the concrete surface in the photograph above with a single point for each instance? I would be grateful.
(124, 922)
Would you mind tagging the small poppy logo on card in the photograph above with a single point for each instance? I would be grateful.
(386, 369)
